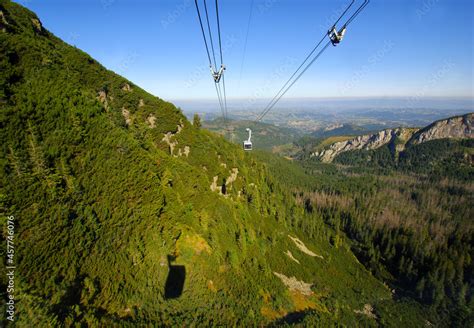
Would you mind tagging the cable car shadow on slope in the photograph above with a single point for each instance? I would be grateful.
(175, 281)
(291, 318)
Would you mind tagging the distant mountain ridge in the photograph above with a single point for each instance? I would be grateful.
(453, 127)
(458, 127)
(346, 129)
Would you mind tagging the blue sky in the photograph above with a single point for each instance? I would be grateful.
(395, 48)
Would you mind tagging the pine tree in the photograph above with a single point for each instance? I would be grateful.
(197, 121)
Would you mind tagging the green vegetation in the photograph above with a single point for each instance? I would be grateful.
(328, 141)
(409, 216)
(128, 215)
(303, 147)
(265, 136)
(413, 232)
(197, 121)
(438, 158)
(343, 130)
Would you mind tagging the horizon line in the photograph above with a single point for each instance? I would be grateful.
(467, 97)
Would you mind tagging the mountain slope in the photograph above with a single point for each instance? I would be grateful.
(457, 127)
(345, 129)
(454, 127)
(126, 214)
(366, 142)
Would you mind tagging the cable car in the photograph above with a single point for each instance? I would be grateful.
(216, 75)
(248, 142)
(335, 36)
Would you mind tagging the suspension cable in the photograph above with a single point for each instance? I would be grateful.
(219, 96)
(291, 77)
(225, 96)
(219, 30)
(245, 43)
(297, 78)
(210, 34)
(345, 11)
(362, 7)
(287, 86)
(203, 34)
(222, 60)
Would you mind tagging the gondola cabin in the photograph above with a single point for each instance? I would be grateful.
(248, 143)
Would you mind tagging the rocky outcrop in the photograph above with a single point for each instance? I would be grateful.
(365, 142)
(454, 127)
(126, 87)
(290, 255)
(37, 24)
(126, 116)
(294, 284)
(151, 120)
(302, 247)
(3, 22)
(187, 150)
(368, 310)
(172, 144)
(228, 182)
(102, 97)
(233, 176)
(214, 186)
